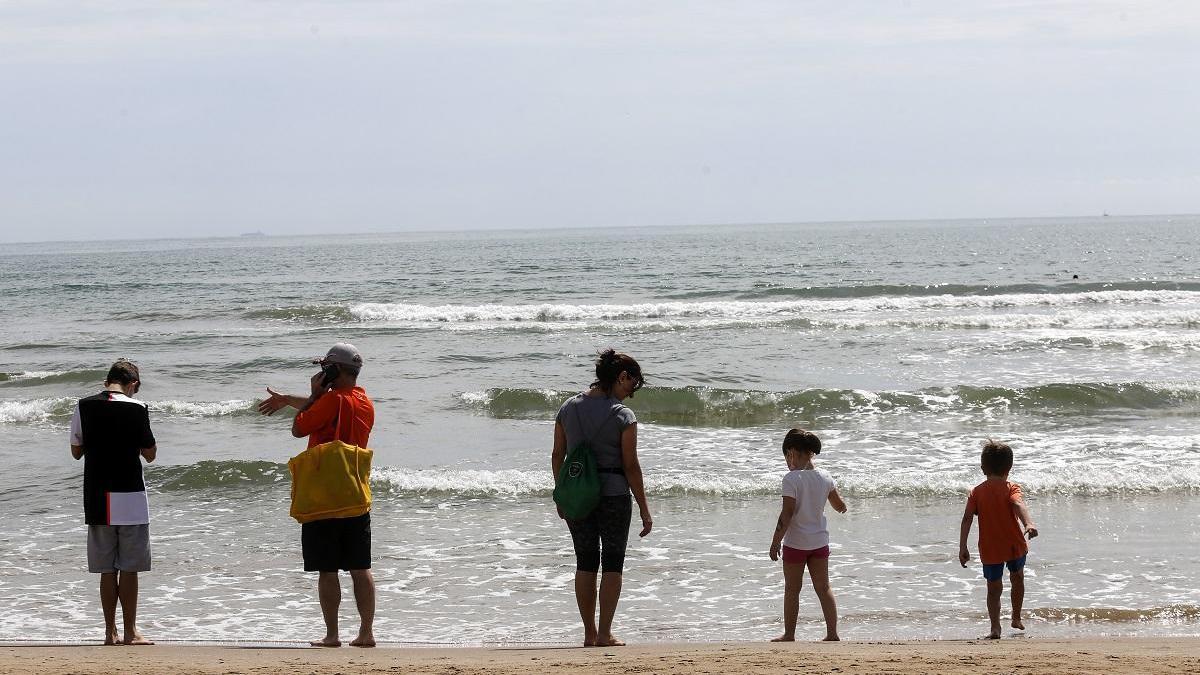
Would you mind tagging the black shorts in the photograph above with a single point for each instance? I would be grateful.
(337, 544)
(601, 537)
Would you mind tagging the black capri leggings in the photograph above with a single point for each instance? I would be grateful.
(603, 535)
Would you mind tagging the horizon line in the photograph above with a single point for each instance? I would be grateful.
(257, 234)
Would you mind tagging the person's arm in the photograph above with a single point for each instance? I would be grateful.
(964, 530)
(785, 518)
(559, 454)
(149, 449)
(276, 401)
(633, 475)
(76, 434)
(835, 500)
(305, 425)
(317, 410)
(1022, 514)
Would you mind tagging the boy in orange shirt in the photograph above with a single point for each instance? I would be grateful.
(999, 505)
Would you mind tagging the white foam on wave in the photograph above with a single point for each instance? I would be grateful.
(35, 375)
(33, 410)
(200, 408)
(740, 309)
(58, 409)
(1080, 319)
(517, 482)
(465, 482)
(1065, 320)
(1096, 479)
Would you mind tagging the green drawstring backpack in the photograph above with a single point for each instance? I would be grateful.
(577, 488)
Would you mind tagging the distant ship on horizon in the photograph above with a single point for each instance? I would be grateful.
(260, 233)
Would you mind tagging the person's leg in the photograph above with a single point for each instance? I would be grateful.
(108, 603)
(1017, 579)
(610, 593)
(364, 599)
(614, 515)
(320, 547)
(585, 599)
(995, 589)
(127, 590)
(818, 571)
(101, 557)
(329, 591)
(793, 581)
(355, 556)
(585, 537)
(132, 556)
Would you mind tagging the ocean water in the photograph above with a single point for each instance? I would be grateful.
(903, 345)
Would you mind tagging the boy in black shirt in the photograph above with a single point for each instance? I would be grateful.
(111, 432)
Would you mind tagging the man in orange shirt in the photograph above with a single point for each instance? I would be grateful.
(1000, 506)
(336, 410)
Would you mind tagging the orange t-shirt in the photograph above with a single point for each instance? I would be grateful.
(345, 415)
(1000, 535)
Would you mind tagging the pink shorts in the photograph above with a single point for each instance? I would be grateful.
(795, 556)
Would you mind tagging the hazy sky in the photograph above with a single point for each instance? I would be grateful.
(189, 118)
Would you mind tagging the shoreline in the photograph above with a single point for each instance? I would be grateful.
(1076, 656)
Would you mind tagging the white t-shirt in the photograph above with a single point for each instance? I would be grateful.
(810, 488)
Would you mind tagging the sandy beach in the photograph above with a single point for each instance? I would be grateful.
(1028, 655)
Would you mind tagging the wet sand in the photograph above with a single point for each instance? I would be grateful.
(1026, 655)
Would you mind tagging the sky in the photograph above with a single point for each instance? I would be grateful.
(133, 119)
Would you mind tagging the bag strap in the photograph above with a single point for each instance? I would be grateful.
(337, 419)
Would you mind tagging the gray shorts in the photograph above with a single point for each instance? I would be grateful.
(118, 547)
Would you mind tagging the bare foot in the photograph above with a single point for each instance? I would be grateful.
(784, 638)
(326, 642)
(362, 640)
(994, 635)
(111, 638)
(832, 638)
(609, 641)
(589, 638)
(1018, 624)
(136, 639)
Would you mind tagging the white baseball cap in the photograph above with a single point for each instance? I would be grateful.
(343, 353)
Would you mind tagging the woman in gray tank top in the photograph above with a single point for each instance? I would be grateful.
(600, 538)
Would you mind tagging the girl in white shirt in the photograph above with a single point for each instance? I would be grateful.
(802, 532)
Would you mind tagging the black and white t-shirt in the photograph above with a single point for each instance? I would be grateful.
(113, 429)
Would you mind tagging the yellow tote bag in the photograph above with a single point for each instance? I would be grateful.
(331, 480)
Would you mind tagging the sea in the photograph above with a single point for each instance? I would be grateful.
(903, 345)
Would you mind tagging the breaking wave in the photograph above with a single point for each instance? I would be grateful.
(40, 377)
(397, 482)
(934, 307)
(700, 406)
(740, 309)
(304, 313)
(36, 410)
(1169, 614)
(59, 409)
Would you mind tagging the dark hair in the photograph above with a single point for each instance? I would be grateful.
(997, 458)
(123, 373)
(609, 367)
(804, 441)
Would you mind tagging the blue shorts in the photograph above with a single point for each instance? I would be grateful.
(994, 572)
